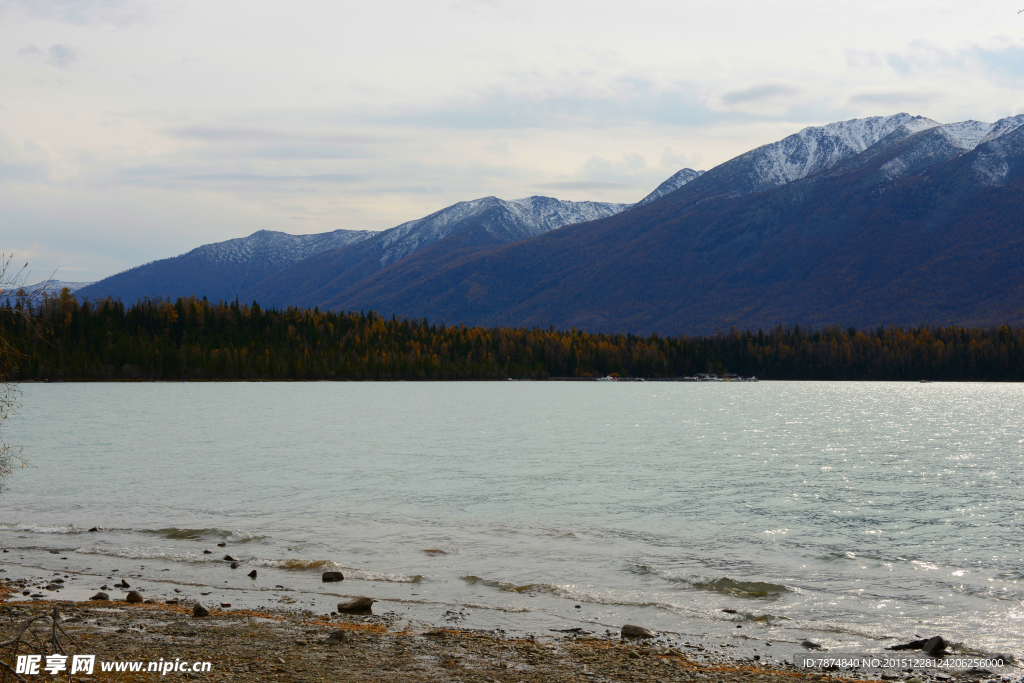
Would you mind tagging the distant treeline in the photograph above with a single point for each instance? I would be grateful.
(193, 339)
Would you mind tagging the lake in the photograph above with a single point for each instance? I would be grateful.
(855, 514)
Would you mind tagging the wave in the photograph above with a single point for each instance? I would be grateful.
(43, 528)
(177, 534)
(569, 591)
(130, 553)
(752, 589)
(769, 619)
(298, 565)
(331, 566)
(507, 610)
(510, 587)
(186, 534)
(724, 584)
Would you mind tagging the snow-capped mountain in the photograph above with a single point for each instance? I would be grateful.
(221, 270)
(897, 219)
(237, 267)
(735, 213)
(55, 286)
(813, 149)
(671, 185)
(905, 144)
(504, 221)
(912, 149)
(475, 223)
(998, 154)
(277, 248)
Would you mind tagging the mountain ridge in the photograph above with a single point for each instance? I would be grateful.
(220, 270)
(846, 244)
(479, 222)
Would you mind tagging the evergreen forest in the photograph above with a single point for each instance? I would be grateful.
(58, 338)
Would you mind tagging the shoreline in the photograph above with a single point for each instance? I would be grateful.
(284, 644)
(278, 645)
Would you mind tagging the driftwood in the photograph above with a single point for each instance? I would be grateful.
(28, 642)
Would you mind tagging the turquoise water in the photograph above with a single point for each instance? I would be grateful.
(853, 513)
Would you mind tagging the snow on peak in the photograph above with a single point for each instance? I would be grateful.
(55, 286)
(1004, 126)
(992, 163)
(819, 147)
(671, 185)
(546, 213)
(967, 134)
(278, 247)
(507, 221)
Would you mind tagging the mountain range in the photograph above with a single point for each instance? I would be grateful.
(220, 271)
(896, 219)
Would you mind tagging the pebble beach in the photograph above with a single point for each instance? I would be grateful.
(301, 646)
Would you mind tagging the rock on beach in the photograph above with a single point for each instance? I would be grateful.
(134, 597)
(359, 605)
(200, 610)
(330, 577)
(633, 631)
(934, 646)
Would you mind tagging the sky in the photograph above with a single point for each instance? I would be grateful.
(132, 131)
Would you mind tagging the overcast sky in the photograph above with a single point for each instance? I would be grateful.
(132, 131)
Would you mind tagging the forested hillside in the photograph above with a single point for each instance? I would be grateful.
(193, 339)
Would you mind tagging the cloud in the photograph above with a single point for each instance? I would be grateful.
(61, 56)
(673, 158)
(225, 142)
(625, 166)
(117, 12)
(569, 102)
(895, 98)
(615, 173)
(862, 59)
(1001, 60)
(227, 134)
(583, 185)
(486, 8)
(171, 176)
(759, 93)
